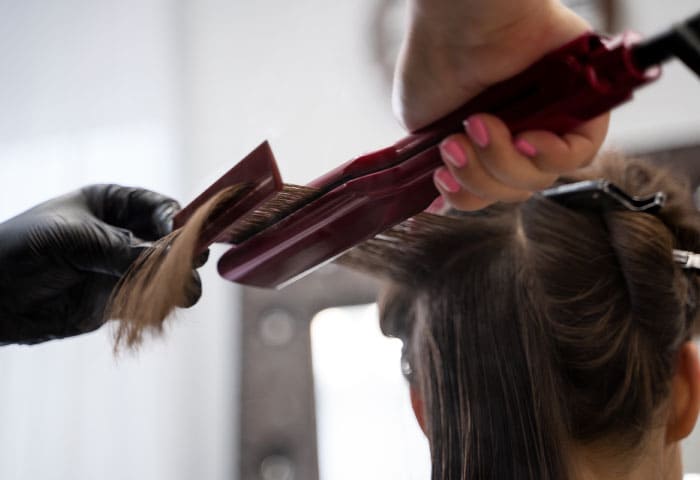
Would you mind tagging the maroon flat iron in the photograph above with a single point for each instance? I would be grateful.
(370, 194)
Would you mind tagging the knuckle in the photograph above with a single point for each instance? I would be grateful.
(467, 201)
(587, 160)
(543, 181)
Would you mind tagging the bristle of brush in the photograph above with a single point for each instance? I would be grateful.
(239, 191)
(282, 203)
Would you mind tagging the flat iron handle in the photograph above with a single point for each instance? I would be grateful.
(567, 87)
(374, 192)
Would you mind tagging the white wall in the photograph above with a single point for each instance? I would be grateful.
(295, 73)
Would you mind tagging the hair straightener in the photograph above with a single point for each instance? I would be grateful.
(281, 233)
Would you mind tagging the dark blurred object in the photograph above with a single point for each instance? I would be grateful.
(682, 41)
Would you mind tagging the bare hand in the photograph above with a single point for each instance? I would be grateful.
(453, 51)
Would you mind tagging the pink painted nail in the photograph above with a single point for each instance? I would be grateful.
(438, 206)
(477, 131)
(526, 148)
(453, 153)
(445, 179)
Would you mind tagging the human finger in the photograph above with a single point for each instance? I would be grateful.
(558, 154)
(467, 169)
(146, 213)
(454, 194)
(506, 161)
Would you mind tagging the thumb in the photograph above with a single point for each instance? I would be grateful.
(146, 213)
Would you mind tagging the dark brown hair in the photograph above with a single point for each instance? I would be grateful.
(532, 327)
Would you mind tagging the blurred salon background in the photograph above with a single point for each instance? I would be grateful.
(168, 94)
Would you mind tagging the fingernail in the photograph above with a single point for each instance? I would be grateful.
(526, 148)
(453, 153)
(476, 129)
(438, 206)
(445, 179)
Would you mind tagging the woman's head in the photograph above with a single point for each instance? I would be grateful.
(537, 334)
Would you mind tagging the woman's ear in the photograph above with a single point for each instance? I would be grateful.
(685, 394)
(418, 408)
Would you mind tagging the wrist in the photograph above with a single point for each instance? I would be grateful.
(476, 24)
(458, 44)
(442, 65)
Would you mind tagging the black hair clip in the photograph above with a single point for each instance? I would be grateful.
(602, 195)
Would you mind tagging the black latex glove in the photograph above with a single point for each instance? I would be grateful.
(60, 260)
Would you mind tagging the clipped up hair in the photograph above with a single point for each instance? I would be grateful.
(532, 326)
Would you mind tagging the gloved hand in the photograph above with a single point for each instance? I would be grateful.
(453, 50)
(60, 260)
